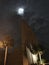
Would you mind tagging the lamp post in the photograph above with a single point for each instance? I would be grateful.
(6, 50)
(2, 46)
(8, 42)
(5, 43)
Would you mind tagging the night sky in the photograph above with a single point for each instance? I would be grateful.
(36, 14)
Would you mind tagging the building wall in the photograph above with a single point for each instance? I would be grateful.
(16, 57)
(27, 34)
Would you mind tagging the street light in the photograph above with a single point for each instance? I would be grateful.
(3, 46)
(8, 42)
(5, 43)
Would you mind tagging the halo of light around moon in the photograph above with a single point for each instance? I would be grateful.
(20, 11)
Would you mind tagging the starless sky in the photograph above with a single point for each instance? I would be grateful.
(33, 8)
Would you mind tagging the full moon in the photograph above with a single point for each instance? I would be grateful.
(20, 11)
